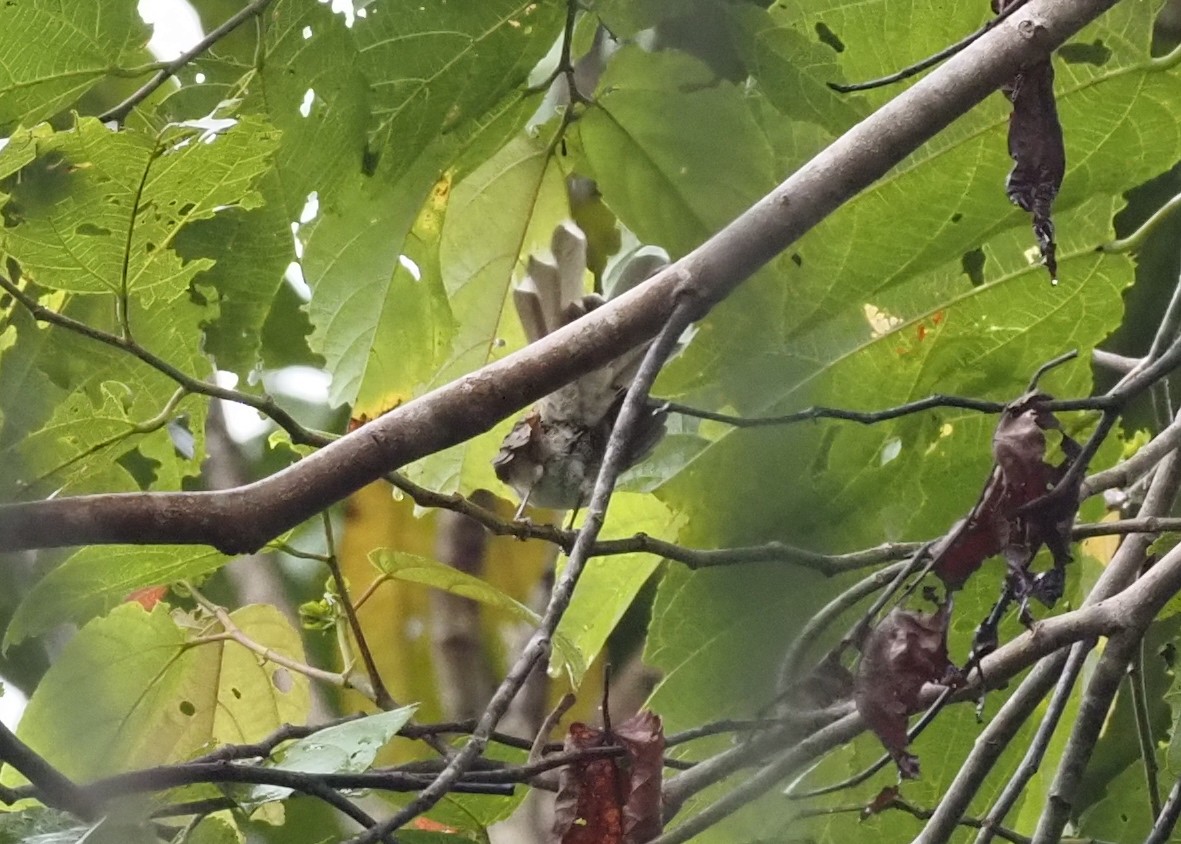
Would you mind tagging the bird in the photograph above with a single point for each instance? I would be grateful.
(552, 456)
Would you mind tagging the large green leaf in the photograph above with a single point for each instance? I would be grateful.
(498, 215)
(376, 325)
(87, 40)
(653, 144)
(436, 68)
(94, 580)
(99, 211)
(413, 569)
(133, 689)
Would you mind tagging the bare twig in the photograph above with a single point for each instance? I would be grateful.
(759, 783)
(635, 404)
(914, 811)
(1088, 721)
(120, 112)
(1136, 684)
(299, 434)
(381, 695)
(54, 788)
(1162, 830)
(930, 61)
(882, 761)
(1116, 363)
(1136, 239)
(1032, 760)
(235, 634)
(791, 669)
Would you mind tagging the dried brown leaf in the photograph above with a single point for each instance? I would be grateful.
(1036, 147)
(617, 800)
(904, 652)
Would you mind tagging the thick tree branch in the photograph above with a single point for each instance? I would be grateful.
(243, 519)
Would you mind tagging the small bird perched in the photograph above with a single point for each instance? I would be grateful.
(552, 456)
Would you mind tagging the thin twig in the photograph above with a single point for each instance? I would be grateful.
(265, 405)
(882, 761)
(235, 634)
(1088, 721)
(381, 695)
(1121, 364)
(634, 405)
(1162, 830)
(1136, 239)
(930, 61)
(1032, 760)
(910, 809)
(752, 787)
(1135, 677)
(120, 112)
(53, 787)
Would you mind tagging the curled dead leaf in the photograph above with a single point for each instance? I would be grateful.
(614, 800)
(904, 652)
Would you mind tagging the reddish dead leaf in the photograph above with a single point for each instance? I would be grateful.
(427, 825)
(903, 653)
(147, 597)
(1015, 516)
(617, 800)
(1036, 147)
(589, 806)
(882, 801)
(643, 736)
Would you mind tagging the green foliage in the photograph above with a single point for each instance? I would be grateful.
(407, 162)
(135, 689)
(346, 748)
(411, 569)
(94, 580)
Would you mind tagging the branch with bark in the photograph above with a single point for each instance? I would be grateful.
(245, 518)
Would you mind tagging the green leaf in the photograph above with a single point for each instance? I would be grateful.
(99, 210)
(793, 69)
(413, 569)
(375, 324)
(435, 68)
(133, 689)
(496, 216)
(258, 247)
(346, 748)
(94, 580)
(660, 162)
(608, 585)
(36, 824)
(88, 40)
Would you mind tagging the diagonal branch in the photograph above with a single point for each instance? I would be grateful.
(245, 518)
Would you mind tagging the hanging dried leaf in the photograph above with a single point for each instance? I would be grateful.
(1014, 515)
(643, 736)
(616, 800)
(903, 653)
(1036, 147)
